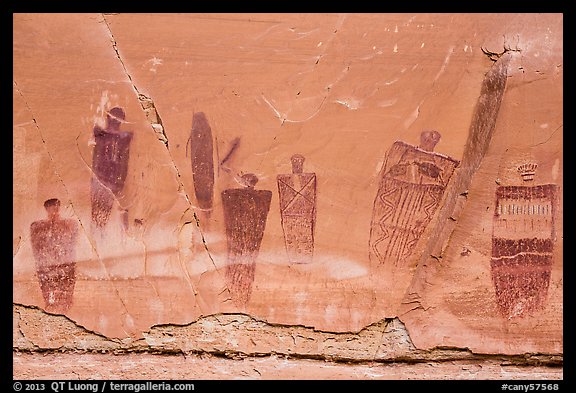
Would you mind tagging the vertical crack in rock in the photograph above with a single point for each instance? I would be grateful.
(148, 107)
(386, 323)
(45, 145)
(16, 244)
(93, 174)
(204, 240)
(150, 110)
(48, 153)
(152, 116)
(157, 125)
(180, 229)
(479, 137)
(146, 102)
(181, 262)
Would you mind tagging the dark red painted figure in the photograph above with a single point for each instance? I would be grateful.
(245, 213)
(412, 183)
(53, 245)
(109, 164)
(523, 245)
(201, 149)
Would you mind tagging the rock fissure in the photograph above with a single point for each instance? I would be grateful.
(494, 56)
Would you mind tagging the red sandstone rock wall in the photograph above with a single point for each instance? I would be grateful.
(378, 224)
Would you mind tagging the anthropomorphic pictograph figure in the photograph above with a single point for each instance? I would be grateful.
(245, 214)
(53, 245)
(201, 153)
(523, 244)
(412, 182)
(109, 165)
(297, 193)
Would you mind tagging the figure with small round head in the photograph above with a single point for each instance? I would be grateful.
(245, 213)
(115, 117)
(109, 164)
(53, 246)
(297, 163)
(297, 194)
(429, 139)
(52, 207)
(249, 180)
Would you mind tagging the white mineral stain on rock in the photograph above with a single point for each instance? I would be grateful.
(156, 306)
(129, 321)
(154, 63)
(330, 312)
(350, 103)
(339, 268)
(556, 169)
(379, 167)
(386, 103)
(446, 60)
(412, 118)
(102, 323)
(388, 83)
(347, 271)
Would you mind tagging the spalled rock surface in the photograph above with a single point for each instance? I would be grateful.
(180, 217)
(282, 351)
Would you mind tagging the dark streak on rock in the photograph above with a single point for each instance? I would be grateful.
(479, 138)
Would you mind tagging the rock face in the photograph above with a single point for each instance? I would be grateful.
(322, 170)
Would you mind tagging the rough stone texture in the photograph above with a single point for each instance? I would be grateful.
(240, 337)
(143, 366)
(339, 89)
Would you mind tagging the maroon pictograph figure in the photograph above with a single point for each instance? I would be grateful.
(109, 164)
(522, 244)
(297, 193)
(413, 180)
(245, 214)
(201, 149)
(53, 245)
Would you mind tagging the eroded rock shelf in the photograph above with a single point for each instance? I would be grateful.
(381, 185)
